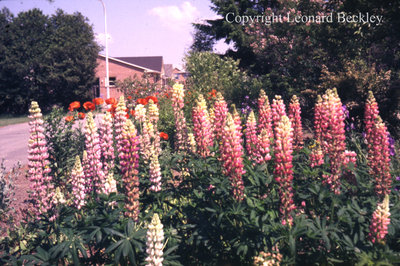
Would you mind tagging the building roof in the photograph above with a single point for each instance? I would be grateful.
(117, 59)
(150, 62)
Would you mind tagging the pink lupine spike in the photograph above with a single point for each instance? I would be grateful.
(238, 122)
(264, 146)
(295, 119)
(106, 143)
(232, 157)
(42, 189)
(202, 128)
(317, 154)
(330, 134)
(220, 112)
(264, 114)
(95, 171)
(129, 160)
(370, 115)
(378, 156)
(278, 109)
(145, 140)
(283, 167)
(380, 221)
(78, 184)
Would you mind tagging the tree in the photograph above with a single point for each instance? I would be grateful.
(47, 59)
(209, 71)
(293, 57)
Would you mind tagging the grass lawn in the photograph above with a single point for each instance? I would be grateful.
(6, 120)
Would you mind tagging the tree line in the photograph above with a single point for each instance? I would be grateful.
(307, 58)
(49, 59)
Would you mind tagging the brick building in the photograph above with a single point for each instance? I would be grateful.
(121, 68)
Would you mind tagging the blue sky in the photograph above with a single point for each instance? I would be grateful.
(135, 27)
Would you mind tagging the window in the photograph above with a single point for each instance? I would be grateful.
(96, 88)
(112, 81)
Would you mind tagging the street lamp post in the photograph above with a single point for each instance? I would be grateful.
(107, 81)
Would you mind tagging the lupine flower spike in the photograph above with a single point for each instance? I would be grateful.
(264, 143)
(380, 221)
(146, 140)
(378, 148)
(106, 143)
(154, 242)
(268, 258)
(110, 185)
(278, 109)
(155, 172)
(78, 184)
(129, 160)
(284, 168)
(295, 119)
(153, 116)
(95, 171)
(220, 112)
(317, 154)
(202, 127)
(86, 170)
(330, 132)
(140, 113)
(264, 114)
(180, 121)
(42, 190)
(192, 143)
(120, 118)
(231, 156)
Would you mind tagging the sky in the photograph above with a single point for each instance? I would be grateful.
(135, 27)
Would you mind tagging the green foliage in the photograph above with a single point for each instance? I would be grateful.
(209, 71)
(47, 59)
(203, 223)
(65, 141)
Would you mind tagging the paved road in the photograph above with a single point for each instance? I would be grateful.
(14, 144)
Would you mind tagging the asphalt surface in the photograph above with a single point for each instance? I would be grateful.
(14, 144)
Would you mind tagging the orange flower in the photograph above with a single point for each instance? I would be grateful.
(129, 97)
(111, 101)
(74, 105)
(89, 106)
(132, 112)
(69, 118)
(213, 93)
(148, 98)
(142, 101)
(81, 115)
(164, 135)
(98, 101)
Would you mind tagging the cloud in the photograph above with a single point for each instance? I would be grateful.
(101, 38)
(175, 17)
